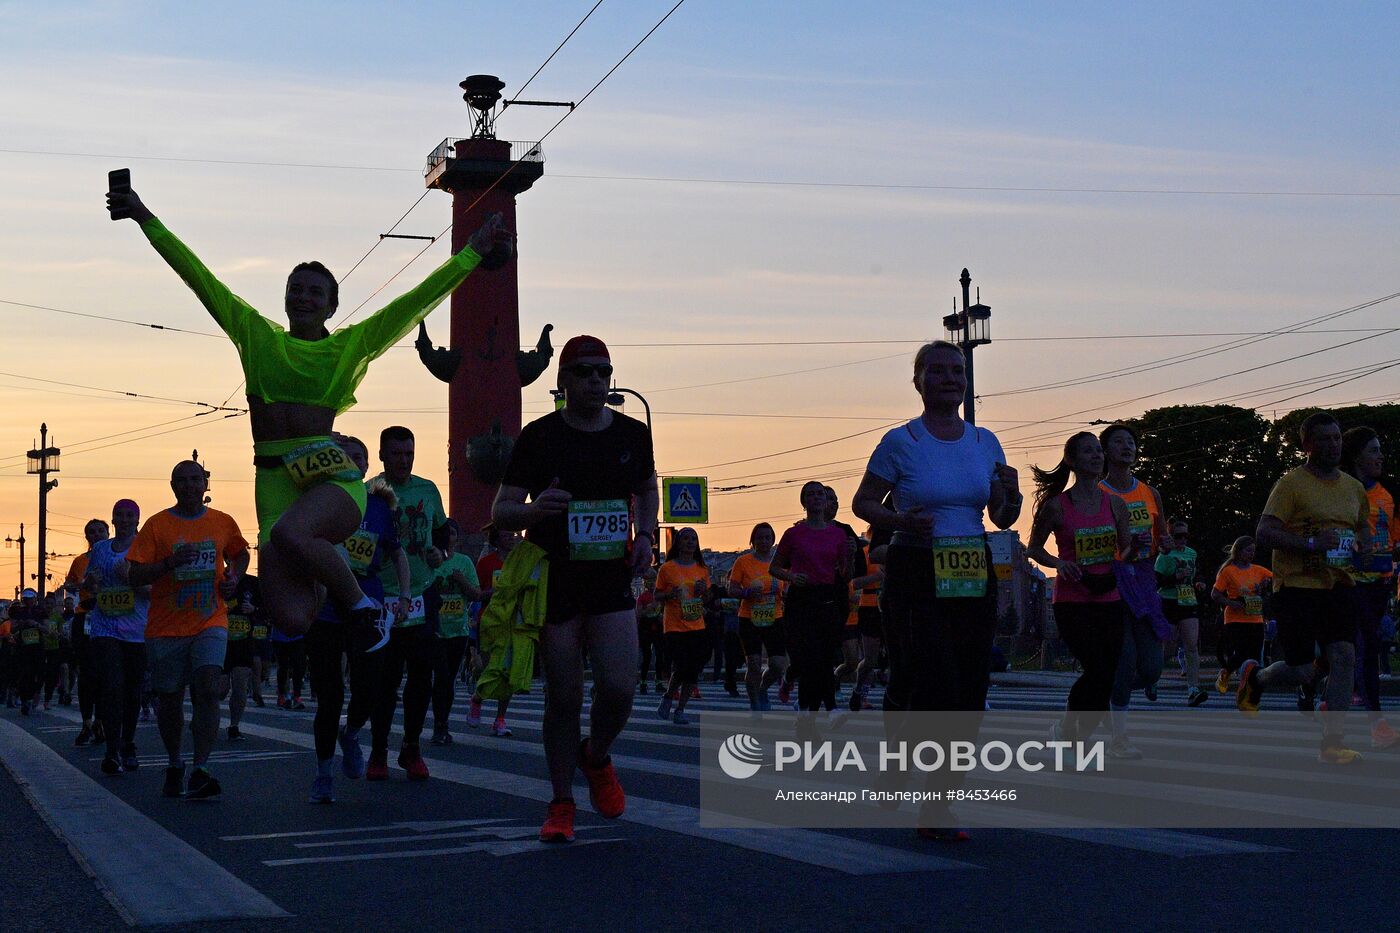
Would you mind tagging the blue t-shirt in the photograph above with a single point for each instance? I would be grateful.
(380, 523)
(112, 592)
(951, 480)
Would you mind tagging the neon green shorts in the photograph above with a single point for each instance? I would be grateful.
(274, 490)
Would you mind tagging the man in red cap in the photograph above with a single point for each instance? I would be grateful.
(590, 477)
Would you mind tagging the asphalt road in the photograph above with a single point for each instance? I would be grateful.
(459, 850)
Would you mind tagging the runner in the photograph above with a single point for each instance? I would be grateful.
(291, 669)
(411, 642)
(1090, 528)
(870, 627)
(28, 620)
(1316, 521)
(54, 663)
(309, 496)
(940, 606)
(238, 658)
(331, 640)
(649, 635)
(1176, 575)
(581, 466)
(1240, 588)
(846, 609)
(261, 637)
(191, 556)
(760, 615)
(1375, 578)
(681, 586)
(95, 530)
(117, 648)
(455, 578)
(1140, 666)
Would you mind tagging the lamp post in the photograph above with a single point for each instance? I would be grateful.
(43, 460)
(11, 542)
(969, 328)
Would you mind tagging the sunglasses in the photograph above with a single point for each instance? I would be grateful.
(584, 370)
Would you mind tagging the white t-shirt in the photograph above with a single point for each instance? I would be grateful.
(951, 480)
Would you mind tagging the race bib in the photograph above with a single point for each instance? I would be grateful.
(1340, 556)
(960, 567)
(417, 614)
(238, 627)
(360, 546)
(114, 601)
(51, 640)
(320, 461)
(259, 632)
(764, 612)
(30, 637)
(1095, 545)
(1185, 594)
(202, 567)
(1139, 519)
(692, 609)
(598, 529)
(1253, 605)
(454, 608)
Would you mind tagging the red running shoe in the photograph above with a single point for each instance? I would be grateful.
(559, 824)
(785, 693)
(412, 761)
(604, 790)
(378, 767)
(695, 693)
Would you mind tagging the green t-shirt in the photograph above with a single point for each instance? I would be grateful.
(1168, 563)
(452, 617)
(420, 511)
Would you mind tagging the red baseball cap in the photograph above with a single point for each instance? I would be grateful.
(579, 347)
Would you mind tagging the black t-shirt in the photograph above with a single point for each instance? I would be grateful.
(607, 464)
(590, 465)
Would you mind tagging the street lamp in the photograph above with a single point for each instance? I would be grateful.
(968, 329)
(615, 398)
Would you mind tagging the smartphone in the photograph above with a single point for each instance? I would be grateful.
(119, 180)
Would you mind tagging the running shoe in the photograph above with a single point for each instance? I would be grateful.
(322, 789)
(1382, 736)
(437, 737)
(174, 782)
(604, 790)
(378, 768)
(674, 695)
(203, 786)
(411, 760)
(784, 693)
(1337, 755)
(297, 706)
(943, 834)
(1247, 694)
(680, 718)
(1196, 697)
(1222, 681)
(99, 734)
(374, 617)
(235, 734)
(129, 761)
(1150, 691)
(474, 713)
(865, 703)
(84, 735)
(352, 757)
(559, 822)
(661, 686)
(258, 700)
(111, 765)
(1119, 747)
(499, 728)
(663, 709)
(694, 694)
(284, 703)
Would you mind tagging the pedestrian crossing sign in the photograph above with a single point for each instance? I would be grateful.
(684, 499)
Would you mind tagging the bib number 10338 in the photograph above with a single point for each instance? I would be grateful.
(960, 567)
(598, 529)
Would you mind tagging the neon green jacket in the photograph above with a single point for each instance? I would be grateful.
(510, 626)
(281, 368)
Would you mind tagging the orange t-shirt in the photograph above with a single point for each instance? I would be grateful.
(1243, 584)
(870, 596)
(1143, 514)
(186, 601)
(686, 614)
(749, 571)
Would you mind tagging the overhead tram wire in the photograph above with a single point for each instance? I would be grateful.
(121, 392)
(834, 440)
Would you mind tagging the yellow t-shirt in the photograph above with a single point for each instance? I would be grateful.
(1245, 584)
(1308, 506)
(686, 614)
(749, 571)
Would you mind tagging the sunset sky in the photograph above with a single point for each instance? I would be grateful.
(807, 178)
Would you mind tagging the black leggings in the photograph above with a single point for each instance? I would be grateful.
(326, 643)
(814, 638)
(650, 640)
(31, 671)
(447, 660)
(84, 670)
(1094, 634)
(410, 648)
(122, 667)
(1241, 641)
(291, 667)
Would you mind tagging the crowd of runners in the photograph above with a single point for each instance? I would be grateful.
(364, 591)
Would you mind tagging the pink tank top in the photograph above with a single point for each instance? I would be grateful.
(1091, 541)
